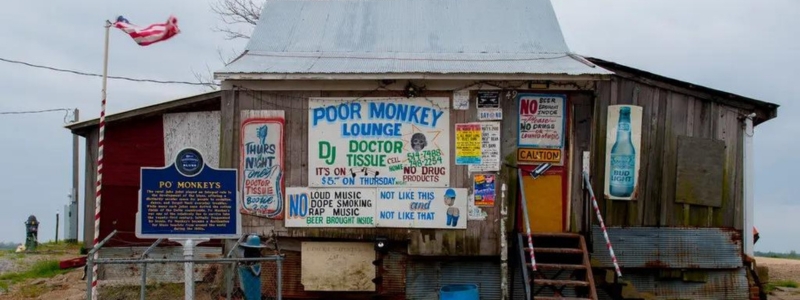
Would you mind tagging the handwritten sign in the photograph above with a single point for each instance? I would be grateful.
(262, 163)
(461, 100)
(484, 189)
(541, 121)
(330, 207)
(188, 199)
(490, 148)
(379, 142)
(468, 144)
(440, 208)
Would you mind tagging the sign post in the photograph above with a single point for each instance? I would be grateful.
(188, 202)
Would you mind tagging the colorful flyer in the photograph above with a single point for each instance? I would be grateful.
(484, 189)
(468, 144)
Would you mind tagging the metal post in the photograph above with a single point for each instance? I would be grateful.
(525, 217)
(144, 267)
(280, 278)
(503, 245)
(749, 205)
(188, 269)
(188, 265)
(91, 268)
(73, 209)
(56, 227)
(229, 274)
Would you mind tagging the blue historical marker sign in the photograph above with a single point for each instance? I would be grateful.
(188, 199)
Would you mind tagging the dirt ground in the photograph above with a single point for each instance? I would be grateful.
(782, 269)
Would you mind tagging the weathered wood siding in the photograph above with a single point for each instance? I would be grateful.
(668, 113)
(480, 237)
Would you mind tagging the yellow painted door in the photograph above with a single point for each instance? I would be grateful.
(544, 199)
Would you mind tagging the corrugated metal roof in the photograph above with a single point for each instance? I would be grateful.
(408, 36)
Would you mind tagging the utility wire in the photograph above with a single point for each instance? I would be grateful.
(33, 111)
(67, 112)
(98, 75)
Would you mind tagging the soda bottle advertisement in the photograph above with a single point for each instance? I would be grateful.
(623, 154)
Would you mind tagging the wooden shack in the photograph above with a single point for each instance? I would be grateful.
(374, 139)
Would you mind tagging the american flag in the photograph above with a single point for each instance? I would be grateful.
(150, 34)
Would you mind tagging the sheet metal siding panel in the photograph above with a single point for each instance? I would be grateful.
(425, 278)
(652, 247)
(422, 280)
(394, 275)
(721, 284)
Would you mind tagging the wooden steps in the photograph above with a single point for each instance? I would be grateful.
(563, 268)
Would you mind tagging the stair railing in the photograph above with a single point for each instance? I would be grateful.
(588, 186)
(524, 205)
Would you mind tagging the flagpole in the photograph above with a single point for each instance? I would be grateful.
(102, 130)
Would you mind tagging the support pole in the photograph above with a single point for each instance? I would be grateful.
(279, 291)
(229, 274)
(503, 245)
(57, 219)
(101, 133)
(748, 187)
(144, 267)
(72, 236)
(188, 265)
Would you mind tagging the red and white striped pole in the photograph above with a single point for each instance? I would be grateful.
(602, 224)
(99, 187)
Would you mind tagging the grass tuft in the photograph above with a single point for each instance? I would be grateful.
(782, 283)
(40, 269)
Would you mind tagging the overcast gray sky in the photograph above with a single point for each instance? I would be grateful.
(744, 47)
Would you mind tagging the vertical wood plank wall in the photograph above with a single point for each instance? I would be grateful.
(666, 115)
(480, 237)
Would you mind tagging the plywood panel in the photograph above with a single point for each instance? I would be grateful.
(543, 197)
(337, 266)
(199, 130)
(699, 171)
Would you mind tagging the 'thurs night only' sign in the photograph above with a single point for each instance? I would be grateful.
(379, 142)
(188, 199)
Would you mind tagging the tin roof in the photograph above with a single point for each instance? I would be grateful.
(199, 101)
(408, 37)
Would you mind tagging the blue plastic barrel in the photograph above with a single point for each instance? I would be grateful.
(459, 292)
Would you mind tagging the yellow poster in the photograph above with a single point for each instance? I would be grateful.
(468, 144)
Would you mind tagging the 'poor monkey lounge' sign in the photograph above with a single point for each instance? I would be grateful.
(379, 142)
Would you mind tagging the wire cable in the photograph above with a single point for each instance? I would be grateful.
(111, 77)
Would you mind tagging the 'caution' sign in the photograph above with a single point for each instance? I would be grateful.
(527, 156)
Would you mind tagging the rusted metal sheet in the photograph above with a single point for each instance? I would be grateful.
(393, 273)
(426, 277)
(662, 248)
(719, 284)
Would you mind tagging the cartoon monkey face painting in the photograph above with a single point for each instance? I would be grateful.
(418, 142)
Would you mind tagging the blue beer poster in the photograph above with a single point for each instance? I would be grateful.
(623, 154)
